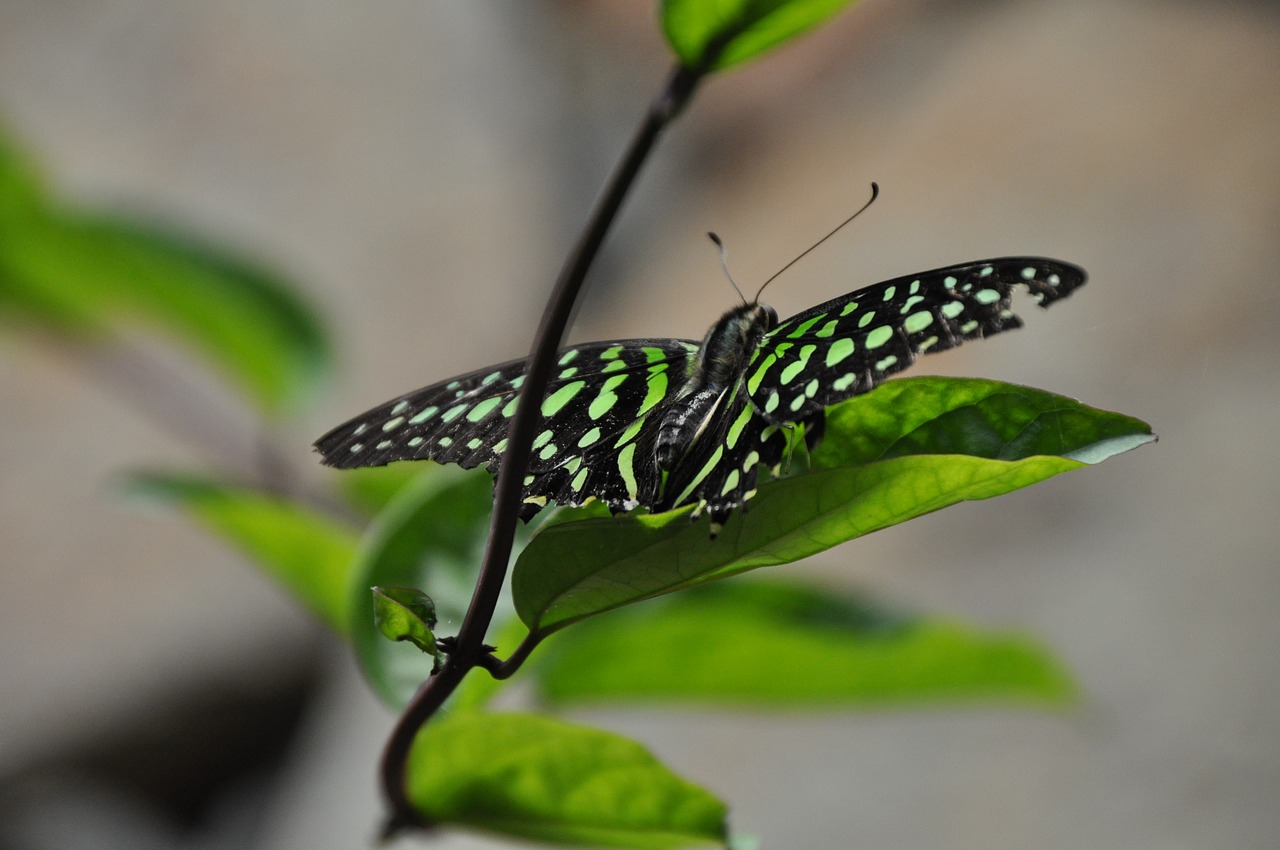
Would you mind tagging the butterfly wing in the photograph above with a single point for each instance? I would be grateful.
(596, 440)
(849, 345)
(720, 470)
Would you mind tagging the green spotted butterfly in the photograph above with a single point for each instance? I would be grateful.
(660, 423)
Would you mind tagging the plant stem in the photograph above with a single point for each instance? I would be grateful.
(470, 649)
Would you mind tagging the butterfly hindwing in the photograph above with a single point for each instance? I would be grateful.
(849, 345)
(598, 403)
(721, 470)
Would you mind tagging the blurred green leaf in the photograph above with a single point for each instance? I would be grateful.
(715, 34)
(755, 644)
(79, 273)
(312, 555)
(21, 187)
(405, 614)
(855, 486)
(545, 780)
(372, 488)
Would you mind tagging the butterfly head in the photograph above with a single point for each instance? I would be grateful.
(766, 317)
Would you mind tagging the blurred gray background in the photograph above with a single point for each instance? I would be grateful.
(420, 169)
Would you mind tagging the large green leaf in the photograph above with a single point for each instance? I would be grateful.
(311, 554)
(754, 644)
(536, 778)
(893, 454)
(714, 34)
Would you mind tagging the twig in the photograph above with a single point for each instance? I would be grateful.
(470, 651)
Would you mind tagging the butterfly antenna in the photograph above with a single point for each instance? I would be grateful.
(875, 193)
(724, 264)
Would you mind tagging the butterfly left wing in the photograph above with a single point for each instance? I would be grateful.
(595, 440)
(849, 345)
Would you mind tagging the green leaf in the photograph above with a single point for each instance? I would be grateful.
(857, 484)
(752, 644)
(21, 187)
(541, 779)
(971, 416)
(431, 537)
(312, 555)
(90, 274)
(405, 614)
(715, 34)
(372, 488)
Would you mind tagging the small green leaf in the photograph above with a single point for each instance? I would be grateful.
(755, 644)
(310, 554)
(430, 536)
(545, 780)
(405, 614)
(715, 34)
(919, 460)
(86, 274)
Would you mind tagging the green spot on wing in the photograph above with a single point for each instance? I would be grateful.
(555, 402)
(803, 327)
(735, 430)
(917, 322)
(757, 377)
(602, 404)
(657, 391)
(839, 350)
(626, 470)
(789, 374)
(879, 336)
(483, 409)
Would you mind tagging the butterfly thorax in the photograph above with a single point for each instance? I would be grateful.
(722, 360)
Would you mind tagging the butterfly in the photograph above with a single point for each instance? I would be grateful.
(661, 423)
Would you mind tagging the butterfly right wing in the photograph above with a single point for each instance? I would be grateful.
(851, 344)
(600, 416)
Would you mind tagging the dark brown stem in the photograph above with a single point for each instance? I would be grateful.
(470, 651)
(187, 412)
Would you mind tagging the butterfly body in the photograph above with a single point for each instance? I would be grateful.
(660, 423)
(721, 361)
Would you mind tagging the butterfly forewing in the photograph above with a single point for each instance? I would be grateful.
(597, 404)
(849, 345)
